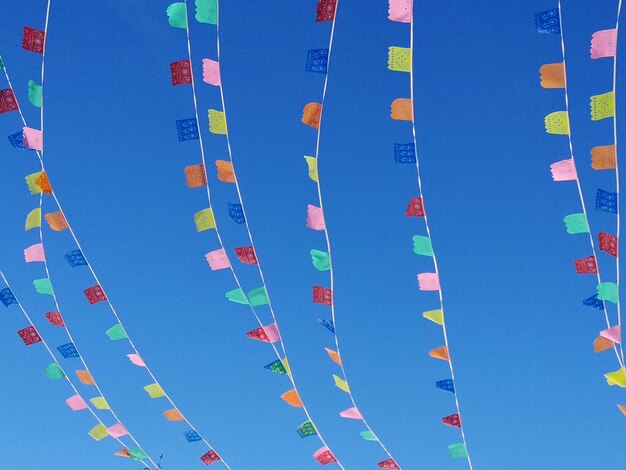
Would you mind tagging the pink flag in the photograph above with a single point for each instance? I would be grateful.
(565, 170)
(34, 253)
(117, 430)
(76, 403)
(136, 359)
(211, 72)
(33, 138)
(351, 413)
(428, 281)
(614, 334)
(218, 259)
(315, 218)
(324, 456)
(401, 10)
(603, 43)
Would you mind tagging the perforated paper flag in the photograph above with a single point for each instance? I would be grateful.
(453, 420)
(258, 297)
(326, 10)
(95, 294)
(602, 106)
(68, 350)
(38, 183)
(55, 319)
(613, 333)
(76, 403)
(557, 123)
(7, 297)
(33, 138)
(33, 40)
(43, 286)
(207, 11)
(211, 72)
(117, 430)
(177, 15)
(137, 454)
(195, 175)
(277, 367)
(225, 171)
(435, 316)
(457, 451)
(606, 201)
(586, 265)
(594, 302)
(34, 253)
(608, 243)
(211, 456)
(53, 371)
(75, 258)
(401, 11)
(56, 221)
(154, 390)
(548, 21)
(33, 219)
(7, 101)
(100, 403)
(324, 456)
(16, 140)
(315, 218)
(603, 157)
(607, 291)
(217, 122)
(312, 164)
(351, 413)
(136, 359)
(404, 153)
(29, 335)
(565, 170)
(422, 245)
(328, 324)
(399, 59)
(173, 415)
(602, 344)
(192, 436)
(576, 223)
(317, 60)
(98, 432)
(311, 115)
(217, 259)
(246, 255)
(402, 109)
(116, 332)
(553, 75)
(415, 208)
(266, 334)
(447, 385)
(85, 377)
(320, 259)
(603, 43)
(440, 353)
(307, 429)
(235, 211)
(292, 399)
(389, 463)
(237, 296)
(428, 281)
(181, 72)
(187, 129)
(204, 220)
(34, 94)
(341, 384)
(322, 295)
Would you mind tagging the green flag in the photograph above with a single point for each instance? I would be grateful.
(422, 245)
(237, 296)
(206, 11)
(321, 260)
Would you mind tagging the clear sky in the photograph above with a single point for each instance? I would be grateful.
(532, 392)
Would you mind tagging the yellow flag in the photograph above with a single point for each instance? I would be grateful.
(617, 378)
(204, 220)
(154, 390)
(312, 162)
(31, 181)
(400, 59)
(557, 123)
(286, 366)
(434, 316)
(602, 106)
(33, 219)
(341, 384)
(99, 432)
(217, 121)
(100, 403)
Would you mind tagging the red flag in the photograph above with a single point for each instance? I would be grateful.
(181, 72)
(452, 420)
(210, 457)
(246, 255)
(326, 10)
(323, 296)
(267, 334)
(416, 208)
(586, 265)
(324, 456)
(55, 319)
(33, 40)
(389, 463)
(7, 101)
(29, 335)
(95, 294)
(608, 243)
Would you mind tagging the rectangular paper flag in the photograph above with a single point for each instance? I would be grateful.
(99, 432)
(315, 218)
(401, 11)
(603, 43)
(217, 259)
(34, 253)
(154, 390)
(217, 122)
(428, 281)
(324, 456)
(33, 138)
(211, 72)
(76, 403)
(608, 243)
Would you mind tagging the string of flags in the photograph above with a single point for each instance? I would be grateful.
(197, 177)
(400, 59)
(603, 157)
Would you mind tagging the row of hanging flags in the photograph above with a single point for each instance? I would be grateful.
(603, 157)
(400, 59)
(39, 184)
(218, 259)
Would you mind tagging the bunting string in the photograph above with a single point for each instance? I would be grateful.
(263, 333)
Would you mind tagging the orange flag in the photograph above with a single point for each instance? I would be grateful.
(196, 176)
(440, 353)
(173, 415)
(85, 377)
(603, 157)
(602, 344)
(402, 109)
(225, 171)
(311, 115)
(56, 221)
(334, 356)
(292, 399)
(553, 75)
(622, 408)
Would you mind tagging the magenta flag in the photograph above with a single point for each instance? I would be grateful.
(218, 259)
(34, 253)
(211, 72)
(315, 218)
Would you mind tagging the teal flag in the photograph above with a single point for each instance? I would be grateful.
(177, 15)
(237, 296)
(43, 286)
(608, 291)
(576, 223)
(116, 332)
(206, 11)
(34, 94)
(457, 451)
(307, 429)
(137, 454)
(368, 436)
(321, 260)
(258, 297)
(422, 246)
(53, 371)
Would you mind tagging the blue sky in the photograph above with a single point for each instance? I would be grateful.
(531, 390)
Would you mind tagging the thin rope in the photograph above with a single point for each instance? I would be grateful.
(578, 184)
(65, 376)
(219, 237)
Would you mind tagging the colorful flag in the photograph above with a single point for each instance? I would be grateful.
(315, 218)
(136, 359)
(328, 324)
(321, 260)
(217, 122)
(34, 94)
(117, 431)
(217, 259)
(55, 319)
(415, 208)
(95, 294)
(553, 75)
(453, 420)
(603, 157)
(43, 286)
(235, 211)
(53, 371)
(322, 295)
(400, 59)
(457, 451)
(258, 297)
(33, 40)
(33, 138)
(187, 129)
(34, 253)
(7, 297)
(76, 403)
(207, 11)
(608, 243)
(402, 109)
(440, 353)
(237, 296)
(192, 436)
(548, 21)
(56, 221)
(351, 413)
(317, 60)
(177, 15)
(292, 398)
(603, 106)
(401, 11)
(312, 164)
(98, 432)
(557, 123)
(565, 170)
(334, 356)
(195, 175)
(326, 10)
(608, 291)
(307, 429)
(266, 334)
(586, 265)
(211, 456)
(154, 390)
(68, 350)
(7, 101)
(606, 201)
(33, 219)
(389, 463)
(225, 171)
(324, 456)
(422, 245)
(211, 72)
(576, 223)
(341, 384)
(613, 334)
(428, 281)
(204, 220)
(173, 415)
(116, 332)
(447, 385)
(311, 115)
(246, 255)
(29, 335)
(603, 43)
(404, 153)
(435, 316)
(181, 72)
(85, 377)
(75, 258)
(100, 403)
